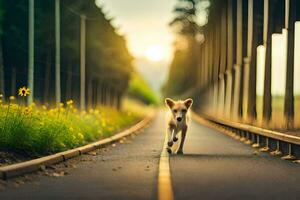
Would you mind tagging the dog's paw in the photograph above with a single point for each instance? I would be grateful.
(179, 152)
(170, 143)
(169, 150)
(175, 139)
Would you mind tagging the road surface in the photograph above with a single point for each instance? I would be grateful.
(214, 166)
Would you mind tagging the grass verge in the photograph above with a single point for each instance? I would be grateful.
(37, 130)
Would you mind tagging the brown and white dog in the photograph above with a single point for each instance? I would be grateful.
(177, 121)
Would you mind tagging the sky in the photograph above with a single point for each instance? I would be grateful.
(143, 22)
(145, 26)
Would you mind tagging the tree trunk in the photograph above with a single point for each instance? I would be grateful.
(69, 81)
(89, 94)
(2, 80)
(13, 81)
(47, 78)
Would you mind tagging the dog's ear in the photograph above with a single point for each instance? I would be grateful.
(188, 103)
(169, 102)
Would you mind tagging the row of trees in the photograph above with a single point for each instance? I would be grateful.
(181, 74)
(68, 35)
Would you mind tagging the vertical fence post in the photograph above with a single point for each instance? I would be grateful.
(216, 60)
(247, 62)
(2, 87)
(57, 53)
(31, 51)
(239, 59)
(82, 61)
(222, 60)
(290, 18)
(268, 24)
(229, 64)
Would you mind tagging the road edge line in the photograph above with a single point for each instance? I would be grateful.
(30, 166)
(165, 191)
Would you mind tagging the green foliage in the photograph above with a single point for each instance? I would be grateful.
(108, 61)
(183, 69)
(39, 131)
(182, 73)
(185, 18)
(140, 89)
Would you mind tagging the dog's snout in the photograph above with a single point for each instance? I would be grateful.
(179, 119)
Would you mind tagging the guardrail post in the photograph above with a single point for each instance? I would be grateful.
(277, 152)
(256, 144)
(265, 148)
(243, 136)
(290, 153)
(248, 138)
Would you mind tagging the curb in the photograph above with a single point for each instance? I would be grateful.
(30, 166)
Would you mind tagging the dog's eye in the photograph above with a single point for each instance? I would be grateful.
(175, 111)
(184, 110)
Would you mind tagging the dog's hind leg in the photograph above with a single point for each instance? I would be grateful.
(183, 135)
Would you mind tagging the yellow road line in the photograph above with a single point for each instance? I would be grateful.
(165, 191)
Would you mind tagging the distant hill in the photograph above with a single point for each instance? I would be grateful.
(154, 73)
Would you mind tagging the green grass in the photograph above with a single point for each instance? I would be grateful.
(39, 131)
(139, 89)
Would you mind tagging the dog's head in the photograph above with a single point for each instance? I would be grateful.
(179, 108)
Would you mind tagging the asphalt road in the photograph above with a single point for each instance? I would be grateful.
(214, 166)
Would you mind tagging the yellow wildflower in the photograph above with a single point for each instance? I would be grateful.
(28, 110)
(24, 91)
(1, 96)
(80, 136)
(62, 145)
(32, 104)
(12, 98)
(70, 102)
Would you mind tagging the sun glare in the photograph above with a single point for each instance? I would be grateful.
(155, 53)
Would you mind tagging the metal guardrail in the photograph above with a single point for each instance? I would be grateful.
(253, 135)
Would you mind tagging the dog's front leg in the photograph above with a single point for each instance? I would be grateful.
(183, 135)
(171, 133)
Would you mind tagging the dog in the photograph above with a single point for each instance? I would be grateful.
(177, 121)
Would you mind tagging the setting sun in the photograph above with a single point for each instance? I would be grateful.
(155, 52)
